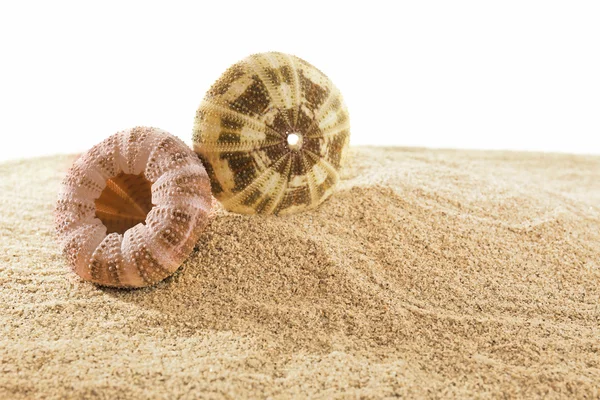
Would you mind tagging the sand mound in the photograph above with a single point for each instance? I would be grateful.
(428, 273)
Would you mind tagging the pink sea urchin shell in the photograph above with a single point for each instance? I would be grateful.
(131, 209)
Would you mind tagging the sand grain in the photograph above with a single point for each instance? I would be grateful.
(429, 273)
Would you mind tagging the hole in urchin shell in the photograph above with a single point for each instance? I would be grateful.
(294, 141)
(125, 202)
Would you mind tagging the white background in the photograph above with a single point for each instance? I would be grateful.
(521, 75)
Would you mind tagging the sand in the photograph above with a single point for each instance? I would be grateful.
(429, 273)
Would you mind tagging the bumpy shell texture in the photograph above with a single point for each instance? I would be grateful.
(272, 133)
(131, 209)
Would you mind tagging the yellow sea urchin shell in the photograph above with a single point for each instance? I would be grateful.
(131, 209)
(272, 133)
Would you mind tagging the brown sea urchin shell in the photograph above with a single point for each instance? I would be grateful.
(272, 133)
(131, 209)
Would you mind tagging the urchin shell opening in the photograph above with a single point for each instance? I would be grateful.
(294, 140)
(125, 202)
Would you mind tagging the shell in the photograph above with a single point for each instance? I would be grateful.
(243, 131)
(131, 209)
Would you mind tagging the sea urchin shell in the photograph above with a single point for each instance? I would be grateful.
(272, 133)
(131, 209)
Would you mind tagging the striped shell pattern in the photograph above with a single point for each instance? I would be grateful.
(272, 133)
